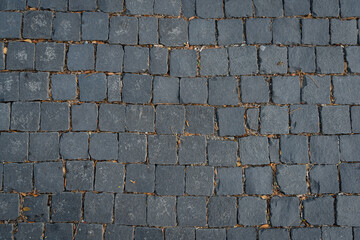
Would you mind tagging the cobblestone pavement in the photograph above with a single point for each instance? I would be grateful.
(179, 119)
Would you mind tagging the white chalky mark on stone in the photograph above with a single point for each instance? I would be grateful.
(39, 20)
(34, 86)
(175, 32)
(49, 53)
(262, 48)
(21, 55)
(65, 25)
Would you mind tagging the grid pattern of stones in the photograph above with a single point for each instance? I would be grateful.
(179, 119)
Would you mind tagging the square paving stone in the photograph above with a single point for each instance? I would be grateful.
(41, 141)
(209, 9)
(79, 175)
(231, 121)
(336, 233)
(173, 32)
(230, 31)
(316, 89)
(254, 89)
(98, 208)
(234, 8)
(335, 119)
(291, 179)
(148, 233)
(258, 30)
(18, 177)
(110, 5)
(319, 210)
(315, 31)
(349, 148)
(74, 145)
(330, 60)
(191, 211)
(55, 116)
(324, 179)
(214, 62)
(148, 30)
(179, 233)
(104, 146)
(188, 8)
(39, 209)
(302, 59)
(210, 234)
(268, 8)
(287, 30)
(324, 149)
(304, 119)
(274, 120)
(348, 211)
(34, 86)
(89, 231)
(161, 211)
(229, 181)
(29, 231)
(278, 234)
(158, 60)
(308, 233)
(10, 24)
(294, 149)
(63, 87)
(241, 233)
(325, 8)
(139, 8)
(274, 150)
(136, 59)
(84, 117)
(349, 8)
(199, 180)
(112, 117)
(346, 89)
(222, 211)
(352, 58)
(92, 87)
(273, 59)
(165, 7)
(109, 58)
(343, 32)
(49, 177)
(9, 86)
(94, 26)
(123, 30)
(66, 207)
(114, 85)
(137, 88)
(252, 118)
(183, 63)
(140, 178)
(170, 180)
(170, 119)
(258, 180)
(162, 149)
(348, 177)
(37, 24)
(82, 5)
(254, 150)
(355, 119)
(223, 91)
(166, 90)
(20, 56)
(285, 90)
(109, 177)
(50, 56)
(115, 231)
(140, 118)
(80, 57)
(285, 211)
(60, 5)
(243, 60)
(200, 119)
(202, 32)
(252, 211)
(132, 147)
(9, 206)
(295, 8)
(192, 150)
(4, 116)
(14, 147)
(13, 5)
(193, 90)
(222, 153)
(66, 26)
(130, 209)
(58, 231)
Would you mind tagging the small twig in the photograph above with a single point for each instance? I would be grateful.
(295, 110)
(313, 81)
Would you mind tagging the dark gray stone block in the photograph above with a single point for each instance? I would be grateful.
(214, 62)
(274, 150)
(25, 116)
(346, 89)
(209, 9)
(66, 26)
(258, 180)
(4, 116)
(200, 119)
(274, 120)
(162, 149)
(136, 59)
(166, 90)
(252, 211)
(223, 91)
(348, 177)
(104, 146)
(202, 32)
(252, 118)
(92, 87)
(50, 56)
(29, 231)
(302, 59)
(140, 7)
(59, 231)
(166, 7)
(140, 178)
(148, 233)
(315, 31)
(296, 8)
(66, 206)
(230, 31)
(294, 149)
(49, 177)
(231, 121)
(89, 231)
(14, 147)
(170, 119)
(20, 56)
(291, 179)
(193, 90)
(82, 5)
(241, 233)
(222, 211)
(74, 145)
(111, 5)
(319, 211)
(268, 8)
(84, 117)
(324, 149)
(347, 211)
(39, 209)
(316, 89)
(304, 119)
(243, 60)
(258, 30)
(343, 32)
(173, 32)
(63, 86)
(114, 88)
(229, 181)
(192, 150)
(79, 175)
(210, 234)
(130, 209)
(278, 234)
(109, 58)
(183, 63)
(160, 211)
(158, 60)
(18, 177)
(235, 8)
(188, 8)
(285, 211)
(287, 30)
(55, 116)
(191, 211)
(254, 150)
(170, 180)
(222, 153)
(199, 180)
(285, 90)
(94, 26)
(9, 86)
(352, 58)
(355, 119)
(335, 119)
(13, 5)
(308, 233)
(112, 117)
(325, 8)
(109, 177)
(349, 8)
(330, 59)
(137, 88)
(98, 207)
(329, 233)
(80, 57)
(273, 59)
(34, 86)
(148, 30)
(254, 89)
(9, 207)
(10, 24)
(37, 24)
(123, 29)
(115, 231)
(323, 179)
(132, 147)
(180, 233)
(140, 118)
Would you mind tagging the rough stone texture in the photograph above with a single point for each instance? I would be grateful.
(285, 90)
(191, 211)
(231, 121)
(160, 211)
(345, 90)
(243, 60)
(323, 179)
(222, 211)
(136, 88)
(254, 89)
(274, 120)
(294, 149)
(287, 30)
(254, 150)
(335, 119)
(140, 178)
(183, 63)
(319, 211)
(223, 91)
(330, 59)
(324, 149)
(222, 153)
(304, 119)
(291, 179)
(258, 30)
(258, 180)
(229, 181)
(251, 211)
(202, 32)
(285, 211)
(347, 211)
